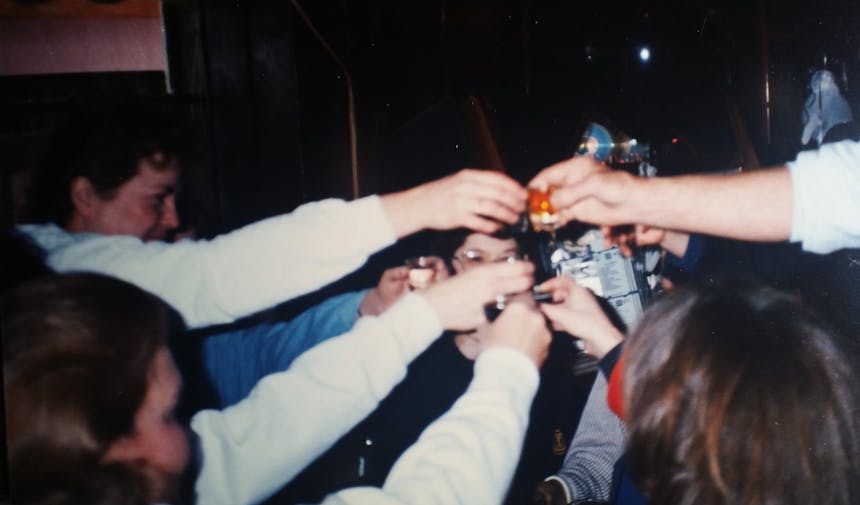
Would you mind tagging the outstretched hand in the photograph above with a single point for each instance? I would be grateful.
(523, 328)
(459, 300)
(588, 191)
(394, 283)
(549, 492)
(481, 200)
(578, 313)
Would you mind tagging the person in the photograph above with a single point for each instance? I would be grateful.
(365, 455)
(236, 359)
(710, 372)
(107, 199)
(812, 200)
(90, 387)
(586, 472)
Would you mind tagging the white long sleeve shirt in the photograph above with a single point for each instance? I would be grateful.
(236, 274)
(826, 188)
(467, 456)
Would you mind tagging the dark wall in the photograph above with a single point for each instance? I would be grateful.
(269, 101)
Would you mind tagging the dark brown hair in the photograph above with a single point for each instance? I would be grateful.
(103, 141)
(77, 354)
(736, 395)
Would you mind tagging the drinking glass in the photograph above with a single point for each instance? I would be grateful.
(422, 271)
(542, 213)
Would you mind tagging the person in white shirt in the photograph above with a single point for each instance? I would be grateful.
(90, 387)
(814, 200)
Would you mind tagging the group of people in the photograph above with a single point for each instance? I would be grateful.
(726, 392)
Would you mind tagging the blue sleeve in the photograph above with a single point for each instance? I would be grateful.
(680, 269)
(236, 359)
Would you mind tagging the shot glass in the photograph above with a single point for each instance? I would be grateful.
(422, 271)
(542, 213)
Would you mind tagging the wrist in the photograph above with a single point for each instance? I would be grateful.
(609, 341)
(399, 209)
(371, 304)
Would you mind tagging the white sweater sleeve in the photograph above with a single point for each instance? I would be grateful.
(826, 188)
(251, 449)
(467, 456)
(242, 272)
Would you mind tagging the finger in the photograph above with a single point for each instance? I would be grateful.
(495, 210)
(476, 193)
(481, 224)
(504, 186)
(556, 314)
(559, 286)
(572, 194)
(400, 272)
(569, 171)
(646, 235)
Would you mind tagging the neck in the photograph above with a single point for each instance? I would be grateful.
(76, 224)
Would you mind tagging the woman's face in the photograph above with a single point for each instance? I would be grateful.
(478, 249)
(158, 441)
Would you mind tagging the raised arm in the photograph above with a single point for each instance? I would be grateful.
(814, 199)
(754, 206)
(268, 262)
(469, 454)
(290, 418)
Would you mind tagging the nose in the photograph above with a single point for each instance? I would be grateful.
(169, 217)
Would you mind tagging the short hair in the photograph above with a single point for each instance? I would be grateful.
(104, 142)
(77, 355)
(736, 395)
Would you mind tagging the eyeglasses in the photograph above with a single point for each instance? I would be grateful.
(474, 257)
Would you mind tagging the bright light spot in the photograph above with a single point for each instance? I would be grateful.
(674, 140)
(644, 54)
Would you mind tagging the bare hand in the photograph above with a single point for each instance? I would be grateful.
(578, 313)
(394, 283)
(460, 299)
(588, 191)
(549, 492)
(523, 328)
(625, 237)
(477, 199)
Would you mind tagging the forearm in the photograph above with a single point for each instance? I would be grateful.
(596, 446)
(749, 206)
(469, 454)
(401, 212)
(253, 448)
(245, 271)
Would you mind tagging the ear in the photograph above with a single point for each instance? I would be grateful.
(83, 196)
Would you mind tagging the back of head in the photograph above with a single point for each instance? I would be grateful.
(735, 395)
(77, 352)
(103, 141)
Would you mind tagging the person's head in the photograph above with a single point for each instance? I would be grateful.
(465, 250)
(113, 169)
(473, 249)
(735, 395)
(90, 388)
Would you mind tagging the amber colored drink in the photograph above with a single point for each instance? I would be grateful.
(542, 213)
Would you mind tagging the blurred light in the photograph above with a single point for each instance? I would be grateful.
(644, 55)
(674, 140)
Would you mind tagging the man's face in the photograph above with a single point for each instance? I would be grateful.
(144, 206)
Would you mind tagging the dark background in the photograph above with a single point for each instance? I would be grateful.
(430, 78)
